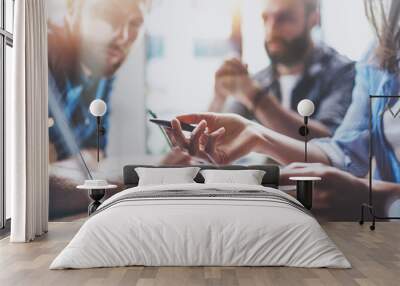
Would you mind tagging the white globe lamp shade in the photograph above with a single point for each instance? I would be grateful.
(305, 108)
(98, 107)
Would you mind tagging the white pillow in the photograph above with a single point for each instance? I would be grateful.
(248, 177)
(166, 176)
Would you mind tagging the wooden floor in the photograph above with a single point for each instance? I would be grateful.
(375, 257)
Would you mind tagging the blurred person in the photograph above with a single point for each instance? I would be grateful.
(343, 160)
(85, 52)
(299, 69)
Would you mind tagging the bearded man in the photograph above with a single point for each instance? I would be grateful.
(299, 69)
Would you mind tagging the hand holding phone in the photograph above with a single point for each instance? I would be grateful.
(167, 124)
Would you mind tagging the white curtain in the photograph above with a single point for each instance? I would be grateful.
(27, 124)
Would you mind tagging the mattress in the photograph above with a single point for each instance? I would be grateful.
(201, 225)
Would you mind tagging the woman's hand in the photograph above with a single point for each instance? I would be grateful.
(218, 138)
(328, 174)
(338, 195)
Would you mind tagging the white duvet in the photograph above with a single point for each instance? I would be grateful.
(202, 231)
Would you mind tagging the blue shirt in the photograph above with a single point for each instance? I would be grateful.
(349, 148)
(74, 127)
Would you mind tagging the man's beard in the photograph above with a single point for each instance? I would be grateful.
(293, 52)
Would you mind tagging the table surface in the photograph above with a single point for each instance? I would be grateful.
(84, 187)
(305, 178)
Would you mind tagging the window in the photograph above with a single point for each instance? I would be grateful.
(6, 44)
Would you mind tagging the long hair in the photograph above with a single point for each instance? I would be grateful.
(385, 19)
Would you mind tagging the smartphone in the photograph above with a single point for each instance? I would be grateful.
(167, 123)
(154, 116)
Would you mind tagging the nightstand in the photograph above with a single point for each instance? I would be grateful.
(304, 189)
(96, 191)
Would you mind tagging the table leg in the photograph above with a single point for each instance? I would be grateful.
(96, 195)
(305, 193)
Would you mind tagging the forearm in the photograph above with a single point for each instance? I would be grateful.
(384, 193)
(272, 115)
(217, 104)
(384, 188)
(285, 149)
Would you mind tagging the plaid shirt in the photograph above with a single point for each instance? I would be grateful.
(328, 81)
(75, 127)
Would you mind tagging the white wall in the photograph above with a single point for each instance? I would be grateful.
(345, 27)
(127, 107)
(253, 36)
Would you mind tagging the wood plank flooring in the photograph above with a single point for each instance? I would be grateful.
(375, 257)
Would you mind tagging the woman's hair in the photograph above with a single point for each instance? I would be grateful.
(384, 16)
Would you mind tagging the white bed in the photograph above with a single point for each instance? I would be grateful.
(248, 226)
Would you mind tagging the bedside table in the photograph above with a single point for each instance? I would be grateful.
(96, 193)
(304, 189)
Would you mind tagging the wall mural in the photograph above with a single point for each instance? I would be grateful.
(249, 63)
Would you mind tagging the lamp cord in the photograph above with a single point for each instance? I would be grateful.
(305, 137)
(98, 118)
(305, 149)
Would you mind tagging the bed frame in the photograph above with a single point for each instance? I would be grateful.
(270, 179)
